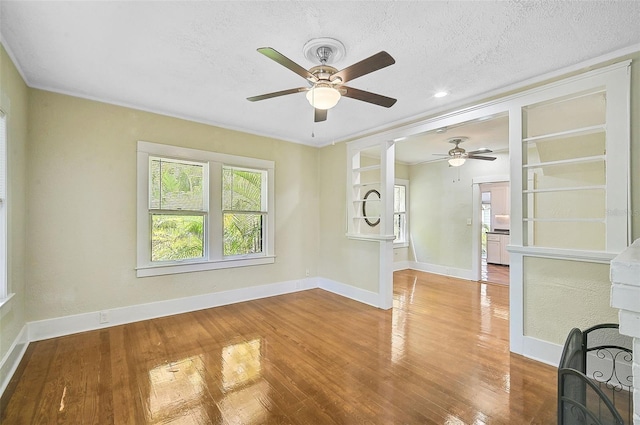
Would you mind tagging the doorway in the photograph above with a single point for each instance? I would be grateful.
(495, 229)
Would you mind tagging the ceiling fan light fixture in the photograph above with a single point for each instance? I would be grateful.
(457, 161)
(323, 96)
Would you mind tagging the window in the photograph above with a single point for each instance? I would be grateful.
(177, 209)
(244, 210)
(400, 219)
(3, 209)
(200, 210)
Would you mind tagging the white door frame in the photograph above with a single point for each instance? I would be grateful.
(476, 222)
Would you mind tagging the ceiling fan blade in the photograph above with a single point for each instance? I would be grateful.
(485, 158)
(276, 94)
(287, 63)
(320, 115)
(440, 154)
(365, 96)
(483, 150)
(373, 63)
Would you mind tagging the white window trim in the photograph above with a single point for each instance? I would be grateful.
(213, 259)
(405, 243)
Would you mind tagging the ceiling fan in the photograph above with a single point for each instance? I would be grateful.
(458, 156)
(326, 83)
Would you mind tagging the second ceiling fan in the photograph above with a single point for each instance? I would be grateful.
(326, 83)
(458, 156)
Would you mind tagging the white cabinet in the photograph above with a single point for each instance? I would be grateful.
(504, 254)
(493, 248)
(500, 206)
(497, 248)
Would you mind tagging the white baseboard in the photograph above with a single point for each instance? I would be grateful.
(348, 291)
(401, 265)
(542, 351)
(11, 360)
(60, 326)
(67, 325)
(466, 274)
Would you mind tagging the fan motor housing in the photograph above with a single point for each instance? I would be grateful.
(323, 72)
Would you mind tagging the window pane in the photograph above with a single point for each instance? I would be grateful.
(176, 237)
(176, 185)
(398, 199)
(242, 189)
(242, 233)
(398, 227)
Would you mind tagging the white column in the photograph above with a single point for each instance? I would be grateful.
(625, 295)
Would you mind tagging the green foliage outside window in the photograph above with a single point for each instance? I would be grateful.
(177, 196)
(176, 237)
(176, 187)
(242, 205)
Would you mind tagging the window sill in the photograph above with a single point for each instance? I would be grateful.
(366, 237)
(5, 300)
(155, 270)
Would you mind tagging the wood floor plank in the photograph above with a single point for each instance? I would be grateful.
(439, 356)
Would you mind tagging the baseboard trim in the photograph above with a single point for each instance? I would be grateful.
(401, 265)
(66, 325)
(465, 274)
(351, 292)
(542, 351)
(12, 358)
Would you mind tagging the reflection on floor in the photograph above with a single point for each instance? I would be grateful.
(494, 273)
(439, 356)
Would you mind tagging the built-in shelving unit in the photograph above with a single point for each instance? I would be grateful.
(565, 164)
(366, 193)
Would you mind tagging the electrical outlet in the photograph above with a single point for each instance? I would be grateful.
(104, 316)
(306, 272)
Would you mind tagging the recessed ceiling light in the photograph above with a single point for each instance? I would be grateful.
(441, 94)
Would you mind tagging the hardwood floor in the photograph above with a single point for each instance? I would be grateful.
(440, 356)
(494, 273)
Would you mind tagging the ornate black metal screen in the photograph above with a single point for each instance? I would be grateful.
(595, 383)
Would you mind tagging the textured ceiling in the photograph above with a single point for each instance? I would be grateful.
(198, 60)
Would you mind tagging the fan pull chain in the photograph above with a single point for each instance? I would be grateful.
(313, 111)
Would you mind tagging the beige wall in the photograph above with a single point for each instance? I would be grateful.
(79, 226)
(402, 171)
(440, 205)
(82, 206)
(560, 295)
(353, 262)
(14, 96)
(403, 253)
